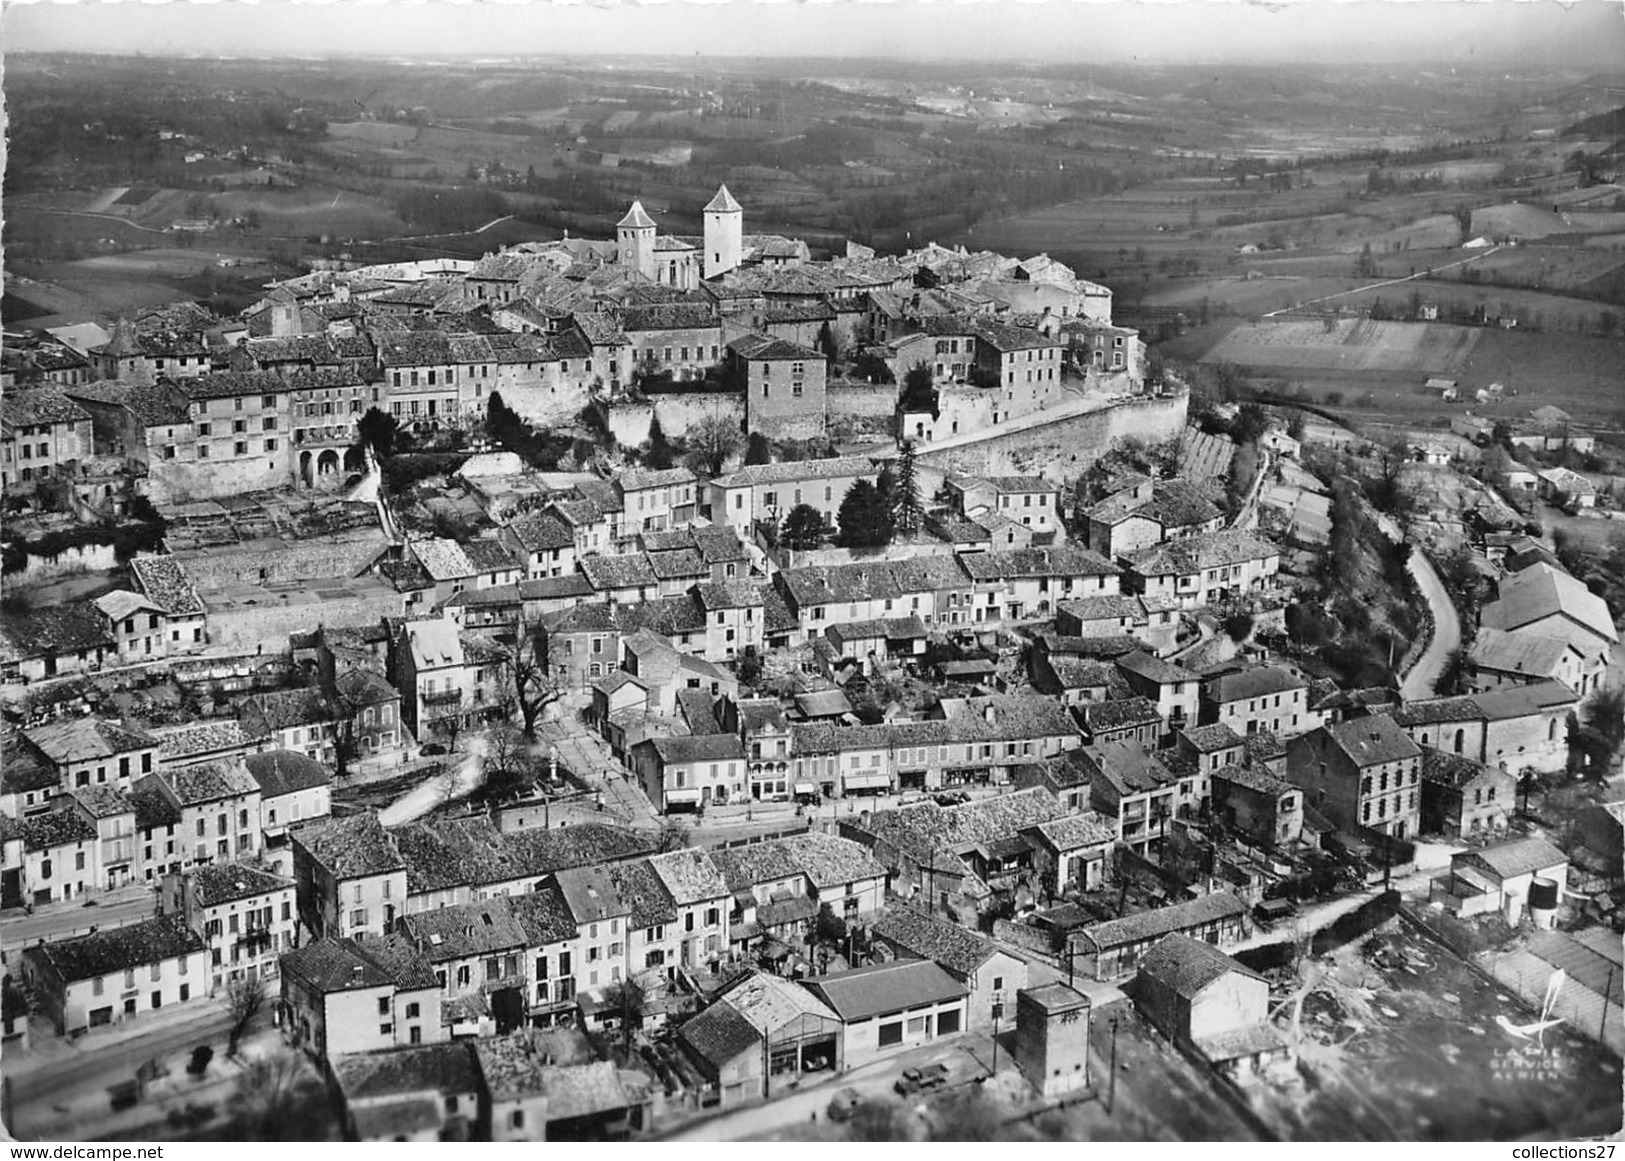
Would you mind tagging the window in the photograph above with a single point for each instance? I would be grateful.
(516, 1119)
(947, 1022)
(891, 1034)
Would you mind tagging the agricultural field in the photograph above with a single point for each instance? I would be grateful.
(385, 133)
(1287, 346)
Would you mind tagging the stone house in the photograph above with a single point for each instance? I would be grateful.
(785, 386)
(111, 976)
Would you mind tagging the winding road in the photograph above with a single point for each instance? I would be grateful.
(1418, 682)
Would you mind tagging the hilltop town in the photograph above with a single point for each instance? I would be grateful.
(701, 687)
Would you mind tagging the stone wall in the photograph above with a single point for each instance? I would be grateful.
(281, 561)
(1064, 449)
(869, 400)
(254, 627)
(678, 411)
(181, 481)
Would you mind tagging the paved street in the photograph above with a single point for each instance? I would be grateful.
(19, 928)
(60, 1072)
(587, 755)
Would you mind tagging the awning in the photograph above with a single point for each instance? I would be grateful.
(806, 788)
(874, 781)
(687, 795)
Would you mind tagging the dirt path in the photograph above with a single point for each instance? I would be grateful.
(1379, 285)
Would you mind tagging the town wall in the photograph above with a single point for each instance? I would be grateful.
(267, 627)
(177, 482)
(257, 562)
(1062, 450)
(868, 400)
(678, 411)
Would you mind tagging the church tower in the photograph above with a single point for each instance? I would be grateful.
(635, 236)
(724, 234)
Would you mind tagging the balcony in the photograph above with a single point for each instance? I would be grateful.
(442, 697)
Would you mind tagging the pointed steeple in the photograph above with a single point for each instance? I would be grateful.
(723, 203)
(636, 219)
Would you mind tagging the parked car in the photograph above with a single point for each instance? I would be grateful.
(920, 1080)
(432, 750)
(844, 1104)
(952, 798)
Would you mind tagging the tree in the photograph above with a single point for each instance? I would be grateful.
(1605, 713)
(509, 766)
(1388, 492)
(628, 1000)
(883, 1120)
(659, 453)
(245, 1000)
(279, 1097)
(1453, 678)
(379, 431)
(758, 450)
(714, 441)
(864, 517)
(1295, 425)
(529, 682)
(907, 511)
(919, 390)
(447, 725)
(674, 836)
(749, 669)
(827, 345)
(1464, 220)
(1251, 422)
(804, 528)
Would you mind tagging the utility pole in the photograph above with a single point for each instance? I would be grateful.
(1602, 1025)
(1111, 1075)
(996, 1041)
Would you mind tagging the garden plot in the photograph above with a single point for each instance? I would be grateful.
(1346, 345)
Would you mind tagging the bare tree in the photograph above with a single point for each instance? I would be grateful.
(529, 682)
(245, 1000)
(715, 441)
(279, 1097)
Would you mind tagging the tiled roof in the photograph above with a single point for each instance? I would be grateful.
(211, 782)
(280, 772)
(719, 1035)
(797, 471)
(352, 847)
(1256, 682)
(1063, 560)
(489, 556)
(865, 992)
(201, 738)
(666, 617)
(1435, 710)
(364, 687)
(1155, 669)
(1197, 553)
(443, 559)
(103, 801)
(1542, 591)
(1373, 739)
(40, 406)
(1120, 713)
(684, 562)
(637, 883)
(69, 740)
(817, 585)
(56, 828)
(1254, 778)
(674, 316)
(120, 949)
(225, 384)
(1518, 857)
(1211, 738)
(1146, 925)
(1522, 652)
(616, 572)
(544, 915)
(281, 709)
(1186, 966)
(689, 875)
(464, 930)
(153, 808)
(923, 937)
(1077, 831)
(446, 1068)
(216, 883)
(54, 630)
(1451, 770)
(1129, 766)
(334, 965)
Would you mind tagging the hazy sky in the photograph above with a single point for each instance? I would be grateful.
(1532, 33)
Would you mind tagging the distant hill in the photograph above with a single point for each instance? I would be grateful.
(1603, 125)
